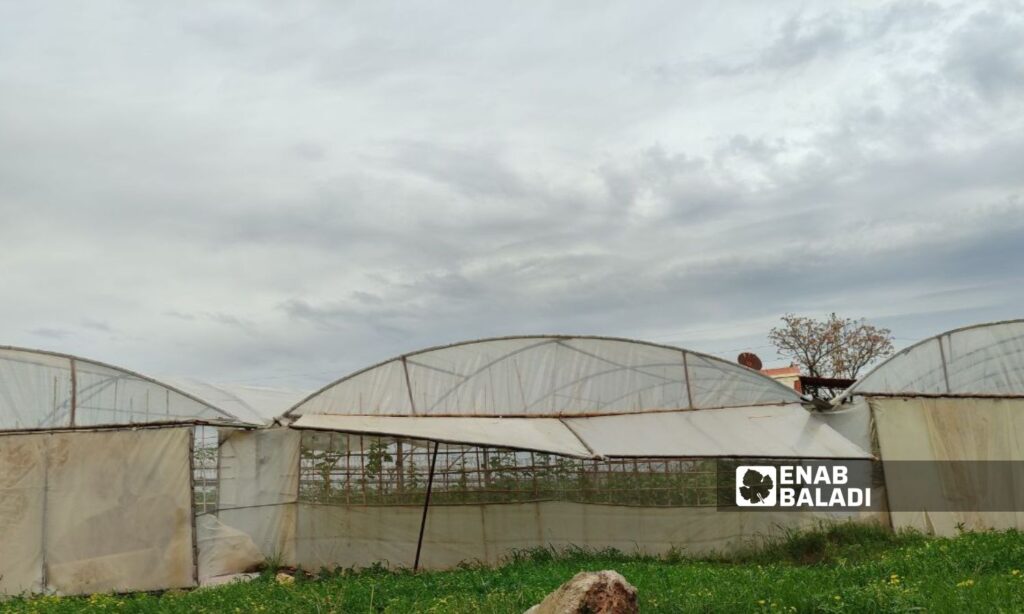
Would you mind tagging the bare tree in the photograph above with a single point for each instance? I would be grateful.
(834, 347)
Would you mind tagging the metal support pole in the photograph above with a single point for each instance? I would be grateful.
(192, 498)
(74, 393)
(426, 507)
(43, 537)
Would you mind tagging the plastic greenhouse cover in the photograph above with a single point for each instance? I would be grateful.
(255, 404)
(786, 431)
(538, 434)
(36, 390)
(545, 376)
(947, 429)
(90, 512)
(983, 360)
(259, 487)
(777, 431)
(344, 536)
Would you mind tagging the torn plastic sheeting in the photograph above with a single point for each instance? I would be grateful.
(786, 431)
(258, 405)
(539, 434)
(782, 431)
(224, 549)
(259, 486)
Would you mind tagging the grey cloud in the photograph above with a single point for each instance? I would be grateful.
(50, 333)
(97, 325)
(311, 151)
(341, 316)
(987, 54)
(367, 298)
(216, 317)
(228, 319)
(720, 290)
(653, 168)
(181, 316)
(802, 38)
(286, 201)
(476, 172)
(798, 40)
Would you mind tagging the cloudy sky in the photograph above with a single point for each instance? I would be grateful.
(280, 193)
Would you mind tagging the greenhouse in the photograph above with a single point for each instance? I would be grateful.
(469, 451)
(958, 396)
(102, 472)
(113, 481)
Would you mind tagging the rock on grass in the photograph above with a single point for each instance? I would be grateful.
(601, 592)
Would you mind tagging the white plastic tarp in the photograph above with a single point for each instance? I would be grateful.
(343, 536)
(852, 420)
(539, 434)
(22, 483)
(979, 360)
(36, 393)
(259, 487)
(224, 550)
(783, 431)
(254, 404)
(98, 511)
(774, 431)
(109, 396)
(952, 429)
(545, 377)
(35, 390)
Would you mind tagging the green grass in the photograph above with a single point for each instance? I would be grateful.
(847, 568)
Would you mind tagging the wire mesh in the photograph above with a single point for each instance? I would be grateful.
(343, 469)
(205, 472)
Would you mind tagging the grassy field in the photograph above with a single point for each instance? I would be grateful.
(841, 569)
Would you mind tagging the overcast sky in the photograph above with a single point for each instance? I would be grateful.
(281, 193)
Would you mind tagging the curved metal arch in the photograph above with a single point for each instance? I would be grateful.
(543, 338)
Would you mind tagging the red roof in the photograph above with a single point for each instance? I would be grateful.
(791, 370)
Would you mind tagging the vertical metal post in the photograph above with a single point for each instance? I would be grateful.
(408, 386)
(192, 498)
(44, 577)
(426, 507)
(74, 393)
(686, 374)
(945, 369)
(400, 468)
(876, 451)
